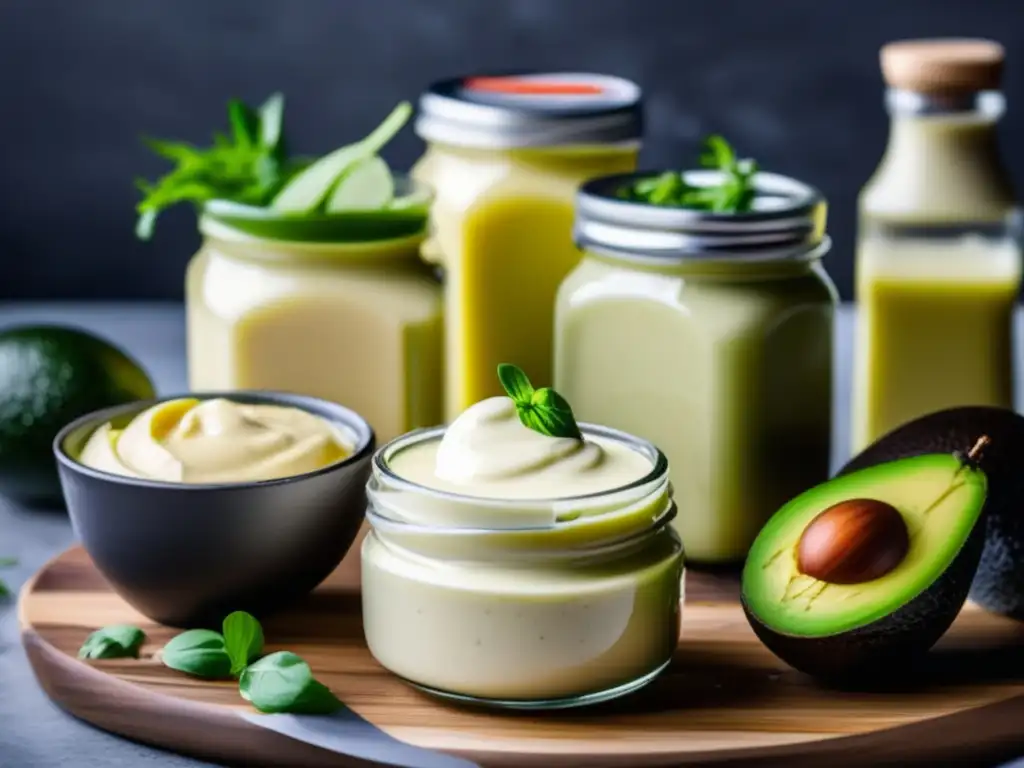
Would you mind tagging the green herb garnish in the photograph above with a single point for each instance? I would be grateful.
(283, 682)
(542, 410)
(279, 682)
(6, 562)
(251, 168)
(733, 194)
(118, 641)
(243, 640)
(200, 653)
(248, 166)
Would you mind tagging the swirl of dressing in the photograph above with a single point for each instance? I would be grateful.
(215, 441)
(488, 452)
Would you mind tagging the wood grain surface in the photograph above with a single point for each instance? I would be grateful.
(724, 700)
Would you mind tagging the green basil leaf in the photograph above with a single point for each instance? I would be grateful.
(530, 419)
(316, 699)
(243, 640)
(283, 682)
(198, 652)
(4, 591)
(118, 641)
(515, 382)
(554, 412)
(546, 397)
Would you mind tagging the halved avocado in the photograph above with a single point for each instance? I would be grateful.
(856, 576)
(999, 583)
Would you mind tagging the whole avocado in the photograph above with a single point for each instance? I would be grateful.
(998, 585)
(49, 376)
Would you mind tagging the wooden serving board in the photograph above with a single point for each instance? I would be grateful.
(724, 700)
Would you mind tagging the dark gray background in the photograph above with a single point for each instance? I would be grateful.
(794, 83)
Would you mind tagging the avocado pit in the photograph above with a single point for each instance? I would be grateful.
(853, 542)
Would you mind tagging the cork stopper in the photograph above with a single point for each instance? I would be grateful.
(943, 65)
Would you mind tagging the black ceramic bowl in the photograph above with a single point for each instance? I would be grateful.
(187, 555)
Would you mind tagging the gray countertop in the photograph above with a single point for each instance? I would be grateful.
(33, 732)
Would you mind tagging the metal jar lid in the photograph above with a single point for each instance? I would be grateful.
(531, 110)
(786, 221)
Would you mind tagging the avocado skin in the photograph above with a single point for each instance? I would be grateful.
(999, 582)
(885, 649)
(50, 375)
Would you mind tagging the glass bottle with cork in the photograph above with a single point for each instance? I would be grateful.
(938, 265)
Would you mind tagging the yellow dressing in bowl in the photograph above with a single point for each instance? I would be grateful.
(216, 441)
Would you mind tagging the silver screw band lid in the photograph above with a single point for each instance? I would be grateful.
(786, 221)
(511, 111)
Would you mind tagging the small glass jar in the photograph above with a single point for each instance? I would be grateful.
(529, 604)
(505, 156)
(709, 334)
(356, 323)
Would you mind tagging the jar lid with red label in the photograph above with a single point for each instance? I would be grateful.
(508, 111)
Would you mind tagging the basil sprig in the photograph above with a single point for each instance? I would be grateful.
(542, 410)
(118, 641)
(733, 194)
(278, 682)
(248, 166)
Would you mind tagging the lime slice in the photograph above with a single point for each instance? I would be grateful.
(336, 227)
(367, 186)
(308, 189)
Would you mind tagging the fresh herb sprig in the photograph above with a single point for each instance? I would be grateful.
(249, 165)
(278, 682)
(733, 194)
(542, 410)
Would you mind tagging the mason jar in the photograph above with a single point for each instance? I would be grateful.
(709, 334)
(356, 323)
(522, 603)
(505, 156)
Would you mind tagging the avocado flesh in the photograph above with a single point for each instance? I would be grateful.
(860, 630)
(998, 585)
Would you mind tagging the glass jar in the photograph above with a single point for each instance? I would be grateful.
(938, 268)
(709, 334)
(524, 604)
(505, 157)
(358, 324)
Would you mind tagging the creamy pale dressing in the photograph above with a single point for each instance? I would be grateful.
(548, 572)
(487, 452)
(216, 441)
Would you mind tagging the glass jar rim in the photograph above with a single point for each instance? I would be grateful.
(659, 471)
